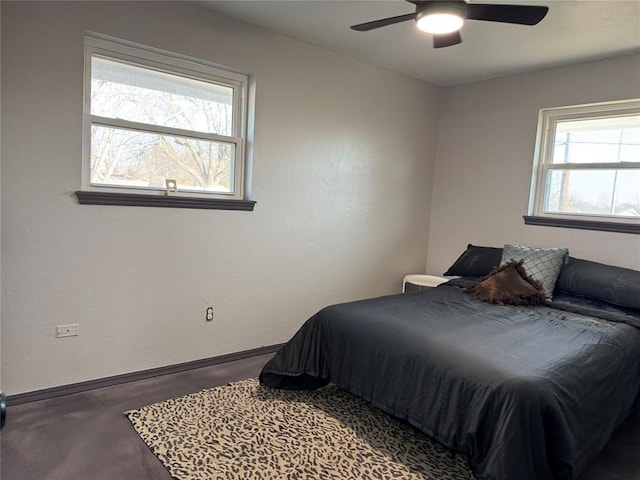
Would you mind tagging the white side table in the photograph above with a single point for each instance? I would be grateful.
(420, 282)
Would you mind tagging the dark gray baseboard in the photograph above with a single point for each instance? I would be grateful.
(133, 376)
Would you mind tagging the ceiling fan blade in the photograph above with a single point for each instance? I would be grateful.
(365, 27)
(520, 14)
(446, 39)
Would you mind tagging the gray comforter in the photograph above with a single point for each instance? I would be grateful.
(529, 393)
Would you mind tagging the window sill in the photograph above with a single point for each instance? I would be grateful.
(138, 200)
(603, 226)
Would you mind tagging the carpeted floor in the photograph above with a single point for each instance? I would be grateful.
(245, 431)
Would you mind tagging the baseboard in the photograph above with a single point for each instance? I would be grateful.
(133, 376)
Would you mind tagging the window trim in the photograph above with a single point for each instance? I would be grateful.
(110, 48)
(543, 154)
(142, 200)
(597, 225)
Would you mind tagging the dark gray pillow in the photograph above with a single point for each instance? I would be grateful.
(616, 285)
(475, 262)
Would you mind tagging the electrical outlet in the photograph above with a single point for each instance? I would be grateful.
(72, 330)
(209, 314)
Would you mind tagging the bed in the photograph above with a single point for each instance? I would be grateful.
(527, 392)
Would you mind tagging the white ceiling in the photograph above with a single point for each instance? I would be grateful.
(573, 31)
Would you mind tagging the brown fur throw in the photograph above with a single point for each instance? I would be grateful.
(508, 284)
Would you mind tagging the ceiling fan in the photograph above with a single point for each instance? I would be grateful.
(443, 18)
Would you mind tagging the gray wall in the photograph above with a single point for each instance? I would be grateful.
(343, 175)
(344, 155)
(486, 139)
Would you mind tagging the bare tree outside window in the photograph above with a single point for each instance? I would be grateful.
(138, 158)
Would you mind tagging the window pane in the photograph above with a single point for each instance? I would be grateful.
(627, 197)
(602, 140)
(593, 192)
(630, 148)
(131, 158)
(136, 94)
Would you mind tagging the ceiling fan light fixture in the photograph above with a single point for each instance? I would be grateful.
(440, 18)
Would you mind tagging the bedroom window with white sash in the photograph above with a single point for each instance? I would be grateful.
(587, 167)
(151, 116)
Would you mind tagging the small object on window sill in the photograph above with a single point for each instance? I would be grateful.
(172, 187)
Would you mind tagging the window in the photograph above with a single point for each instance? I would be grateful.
(587, 167)
(151, 116)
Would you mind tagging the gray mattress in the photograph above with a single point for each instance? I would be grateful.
(529, 393)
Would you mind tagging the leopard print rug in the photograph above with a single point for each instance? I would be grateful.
(250, 432)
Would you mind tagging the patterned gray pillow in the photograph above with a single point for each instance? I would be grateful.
(542, 264)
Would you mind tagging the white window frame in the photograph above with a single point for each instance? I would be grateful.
(173, 64)
(543, 158)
